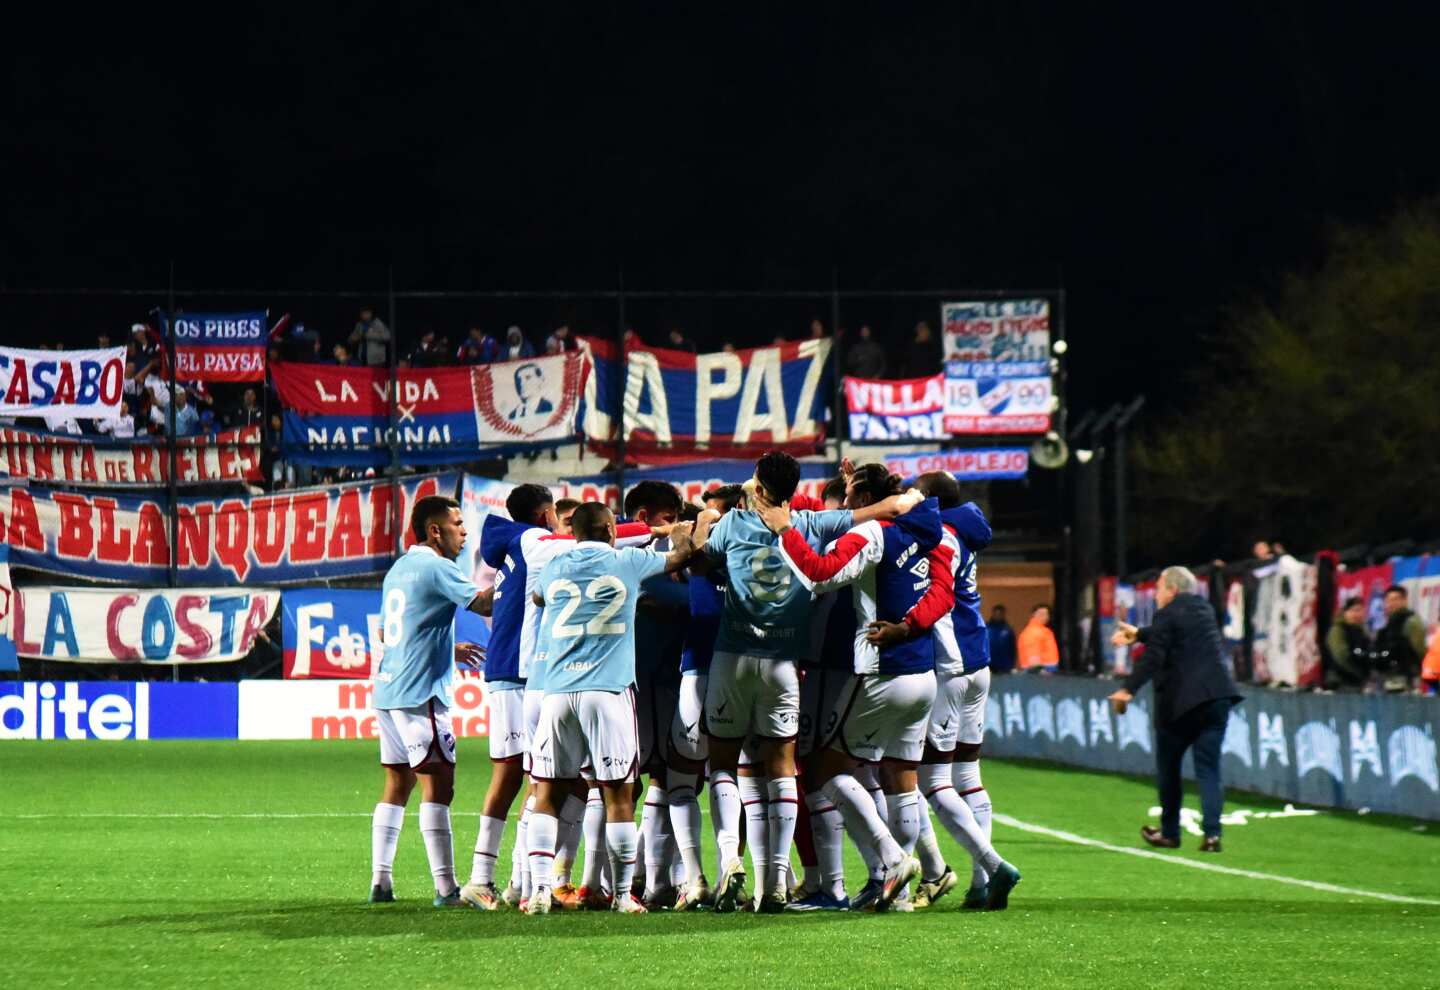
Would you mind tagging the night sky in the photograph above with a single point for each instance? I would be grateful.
(1161, 165)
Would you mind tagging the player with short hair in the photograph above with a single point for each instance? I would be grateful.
(412, 693)
(589, 594)
(564, 509)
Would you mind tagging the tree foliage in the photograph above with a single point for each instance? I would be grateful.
(1314, 417)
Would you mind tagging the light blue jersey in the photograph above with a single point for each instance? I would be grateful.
(767, 612)
(539, 663)
(417, 604)
(590, 594)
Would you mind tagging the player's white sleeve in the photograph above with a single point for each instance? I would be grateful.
(853, 554)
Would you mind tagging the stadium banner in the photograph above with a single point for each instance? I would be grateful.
(1004, 330)
(331, 632)
(900, 409)
(341, 709)
(220, 347)
(230, 455)
(1331, 750)
(479, 498)
(1367, 584)
(117, 710)
(286, 538)
(9, 661)
(979, 464)
(693, 479)
(731, 404)
(341, 416)
(94, 625)
(997, 397)
(78, 384)
(1420, 576)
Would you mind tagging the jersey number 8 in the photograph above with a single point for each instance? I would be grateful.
(394, 617)
(607, 589)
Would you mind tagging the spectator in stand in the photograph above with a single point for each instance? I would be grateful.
(1347, 649)
(1430, 668)
(778, 340)
(121, 426)
(728, 347)
(517, 347)
(187, 420)
(340, 355)
(428, 354)
(371, 339)
(1002, 642)
(680, 342)
(249, 413)
(1399, 645)
(560, 341)
(102, 340)
(817, 330)
(200, 395)
(1261, 550)
(1036, 649)
(147, 350)
(478, 348)
(865, 358)
(921, 357)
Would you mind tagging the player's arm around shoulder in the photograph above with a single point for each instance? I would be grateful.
(854, 553)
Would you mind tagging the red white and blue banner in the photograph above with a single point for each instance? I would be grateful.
(231, 455)
(997, 397)
(903, 409)
(284, 538)
(341, 416)
(78, 384)
(693, 479)
(981, 464)
(733, 404)
(331, 633)
(220, 347)
(998, 330)
(92, 625)
(8, 660)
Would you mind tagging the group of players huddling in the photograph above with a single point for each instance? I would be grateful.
(731, 645)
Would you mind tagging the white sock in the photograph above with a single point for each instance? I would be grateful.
(385, 827)
(593, 827)
(567, 843)
(520, 859)
(783, 799)
(657, 807)
(827, 829)
(685, 821)
(932, 862)
(725, 797)
(966, 777)
(904, 819)
(865, 774)
(487, 850)
(959, 821)
(621, 840)
(862, 821)
(540, 836)
(757, 828)
(439, 847)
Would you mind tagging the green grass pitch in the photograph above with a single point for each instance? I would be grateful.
(174, 864)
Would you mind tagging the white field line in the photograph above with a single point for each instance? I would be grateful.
(1329, 888)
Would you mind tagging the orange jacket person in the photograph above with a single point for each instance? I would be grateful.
(1036, 650)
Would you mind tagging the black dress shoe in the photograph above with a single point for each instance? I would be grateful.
(1154, 838)
(1211, 844)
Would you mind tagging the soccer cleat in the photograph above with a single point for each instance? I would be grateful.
(869, 894)
(975, 898)
(693, 895)
(539, 901)
(904, 905)
(772, 902)
(800, 891)
(661, 899)
(927, 892)
(730, 891)
(381, 895)
(511, 895)
(593, 899)
(481, 896)
(566, 897)
(451, 899)
(1002, 881)
(897, 878)
(819, 901)
(628, 905)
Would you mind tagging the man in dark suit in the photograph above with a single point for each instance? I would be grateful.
(1194, 692)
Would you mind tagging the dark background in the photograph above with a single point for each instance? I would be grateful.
(1159, 164)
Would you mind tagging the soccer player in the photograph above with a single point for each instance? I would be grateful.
(885, 706)
(412, 693)
(754, 685)
(588, 713)
(950, 775)
(564, 509)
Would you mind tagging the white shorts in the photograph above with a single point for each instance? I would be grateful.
(687, 730)
(654, 714)
(884, 716)
(530, 709)
(820, 690)
(585, 729)
(750, 694)
(509, 738)
(415, 736)
(958, 715)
